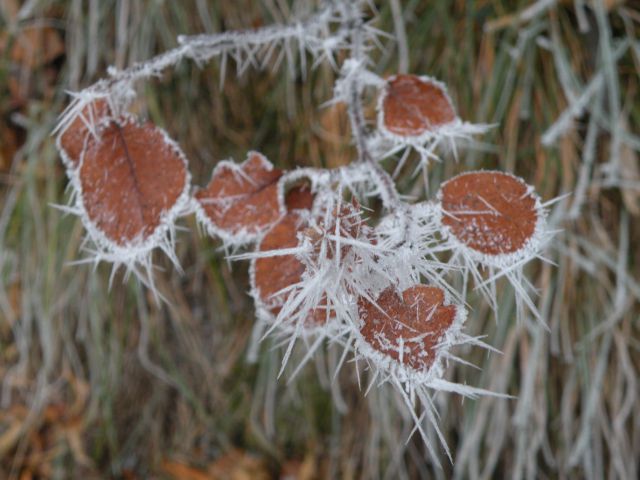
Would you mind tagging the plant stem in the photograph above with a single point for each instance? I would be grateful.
(388, 192)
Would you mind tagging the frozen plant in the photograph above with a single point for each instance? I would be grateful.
(322, 269)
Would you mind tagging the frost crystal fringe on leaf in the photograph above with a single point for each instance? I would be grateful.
(130, 182)
(417, 112)
(240, 201)
(496, 221)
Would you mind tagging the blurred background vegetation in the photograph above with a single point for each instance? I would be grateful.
(99, 383)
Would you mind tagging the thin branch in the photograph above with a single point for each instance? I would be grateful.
(358, 60)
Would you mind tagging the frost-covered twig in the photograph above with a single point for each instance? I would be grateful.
(353, 70)
(322, 35)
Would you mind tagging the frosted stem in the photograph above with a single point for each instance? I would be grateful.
(313, 34)
(358, 58)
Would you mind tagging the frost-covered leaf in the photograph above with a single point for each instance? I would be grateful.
(272, 274)
(74, 139)
(299, 197)
(315, 238)
(493, 213)
(331, 225)
(411, 106)
(407, 327)
(132, 179)
(241, 201)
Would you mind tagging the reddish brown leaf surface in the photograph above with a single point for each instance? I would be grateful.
(33, 46)
(242, 200)
(272, 274)
(72, 141)
(181, 471)
(418, 318)
(491, 212)
(130, 177)
(299, 198)
(239, 465)
(413, 106)
(29, 56)
(29, 66)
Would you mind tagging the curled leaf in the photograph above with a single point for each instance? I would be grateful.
(412, 106)
(492, 213)
(299, 197)
(133, 179)
(407, 327)
(241, 201)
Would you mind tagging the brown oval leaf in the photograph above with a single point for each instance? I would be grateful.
(412, 106)
(241, 201)
(407, 328)
(131, 177)
(75, 137)
(491, 212)
(270, 275)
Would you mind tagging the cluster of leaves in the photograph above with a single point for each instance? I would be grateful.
(321, 270)
(317, 269)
